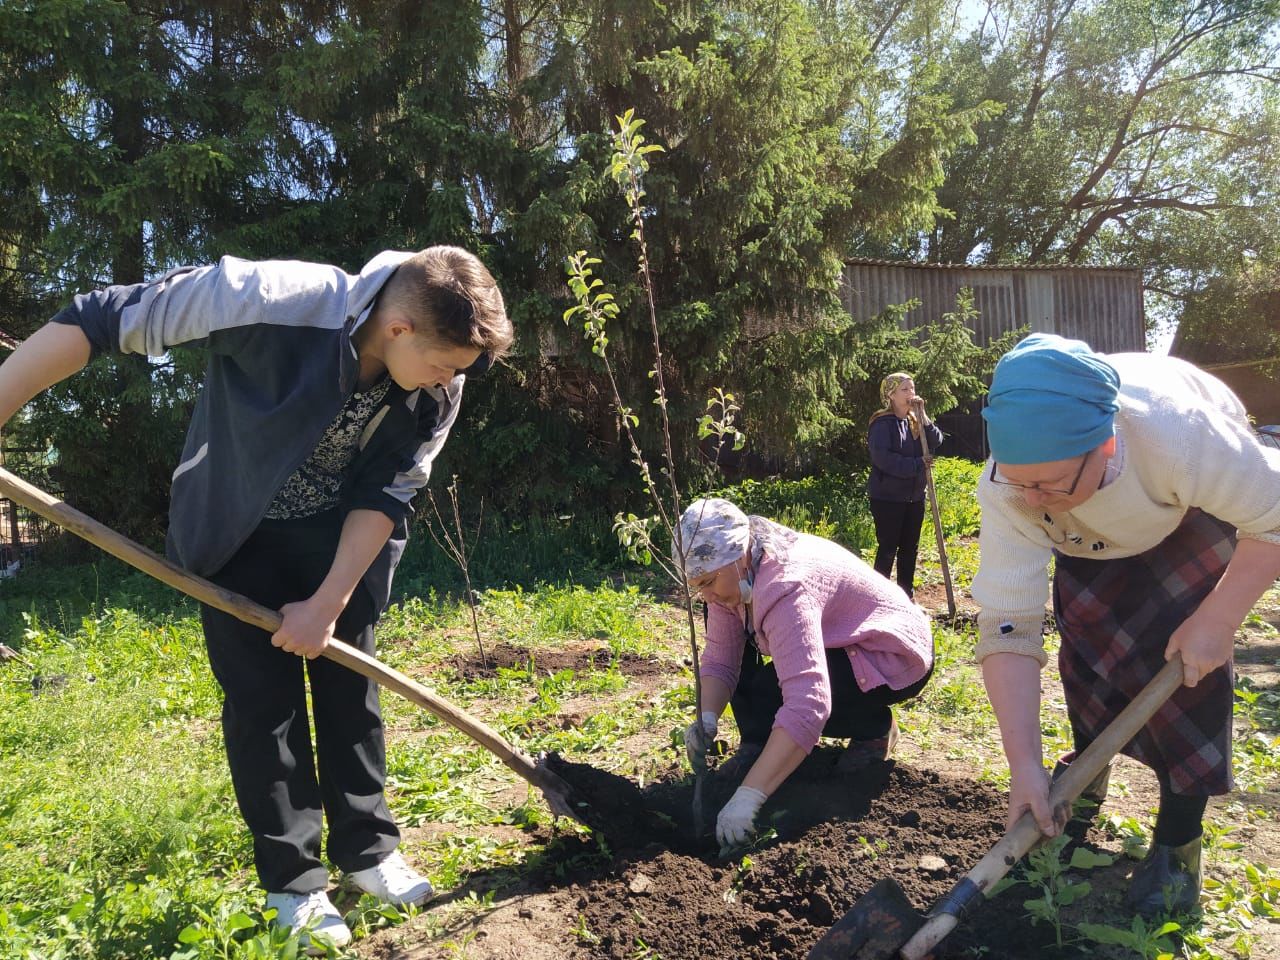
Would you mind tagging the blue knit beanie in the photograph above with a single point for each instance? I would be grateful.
(1050, 399)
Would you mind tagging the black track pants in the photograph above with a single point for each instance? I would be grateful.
(264, 716)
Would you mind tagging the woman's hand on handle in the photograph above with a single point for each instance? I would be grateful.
(1205, 642)
(1029, 790)
(307, 627)
(698, 737)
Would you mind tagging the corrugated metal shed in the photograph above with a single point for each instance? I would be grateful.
(1100, 305)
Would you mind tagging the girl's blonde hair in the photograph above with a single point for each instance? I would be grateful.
(887, 386)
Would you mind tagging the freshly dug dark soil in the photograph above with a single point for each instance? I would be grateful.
(669, 892)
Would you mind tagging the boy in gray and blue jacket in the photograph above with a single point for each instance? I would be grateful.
(326, 399)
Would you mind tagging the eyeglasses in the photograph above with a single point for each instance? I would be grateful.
(1036, 487)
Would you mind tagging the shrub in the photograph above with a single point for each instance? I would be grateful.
(831, 506)
(956, 481)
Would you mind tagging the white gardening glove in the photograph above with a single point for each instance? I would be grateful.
(698, 737)
(737, 819)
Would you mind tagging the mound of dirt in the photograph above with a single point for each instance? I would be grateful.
(668, 891)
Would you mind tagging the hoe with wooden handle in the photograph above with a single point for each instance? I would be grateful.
(559, 795)
(883, 923)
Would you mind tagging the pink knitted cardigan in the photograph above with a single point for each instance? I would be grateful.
(808, 597)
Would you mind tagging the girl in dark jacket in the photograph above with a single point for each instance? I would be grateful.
(897, 481)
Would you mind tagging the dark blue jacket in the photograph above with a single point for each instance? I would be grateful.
(897, 459)
(281, 367)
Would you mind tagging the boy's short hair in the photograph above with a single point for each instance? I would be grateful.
(451, 296)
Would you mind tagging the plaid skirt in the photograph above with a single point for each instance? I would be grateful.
(1115, 618)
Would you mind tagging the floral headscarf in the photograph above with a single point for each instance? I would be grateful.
(714, 534)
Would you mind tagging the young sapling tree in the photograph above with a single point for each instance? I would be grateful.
(596, 308)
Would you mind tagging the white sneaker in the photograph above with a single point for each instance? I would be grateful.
(393, 881)
(313, 916)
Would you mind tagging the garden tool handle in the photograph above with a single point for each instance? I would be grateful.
(1025, 834)
(257, 615)
(937, 521)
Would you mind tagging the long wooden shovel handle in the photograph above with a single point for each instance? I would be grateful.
(937, 524)
(1025, 834)
(245, 609)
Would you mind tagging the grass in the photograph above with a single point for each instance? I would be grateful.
(120, 836)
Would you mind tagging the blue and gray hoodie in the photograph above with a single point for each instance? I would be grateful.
(281, 367)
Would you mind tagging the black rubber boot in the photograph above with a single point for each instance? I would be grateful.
(1167, 880)
(860, 754)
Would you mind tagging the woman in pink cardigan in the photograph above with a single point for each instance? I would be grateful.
(845, 644)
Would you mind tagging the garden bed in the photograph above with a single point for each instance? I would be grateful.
(645, 887)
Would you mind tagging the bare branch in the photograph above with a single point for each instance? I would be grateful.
(1187, 128)
(1115, 210)
(1258, 71)
(889, 21)
(454, 544)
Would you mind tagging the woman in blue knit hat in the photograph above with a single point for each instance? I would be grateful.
(1140, 478)
(896, 483)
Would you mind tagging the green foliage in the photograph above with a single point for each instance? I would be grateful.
(836, 507)
(517, 549)
(530, 451)
(795, 133)
(129, 850)
(1255, 756)
(956, 482)
(1132, 837)
(119, 836)
(1047, 874)
(1146, 942)
(831, 506)
(949, 368)
(1234, 317)
(1131, 133)
(613, 615)
(128, 142)
(120, 832)
(782, 149)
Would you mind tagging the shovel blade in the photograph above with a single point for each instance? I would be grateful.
(875, 928)
(559, 795)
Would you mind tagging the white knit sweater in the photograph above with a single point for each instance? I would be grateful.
(1186, 442)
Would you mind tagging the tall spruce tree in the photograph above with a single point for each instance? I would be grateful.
(106, 160)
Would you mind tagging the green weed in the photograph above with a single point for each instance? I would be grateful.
(1146, 942)
(1048, 875)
